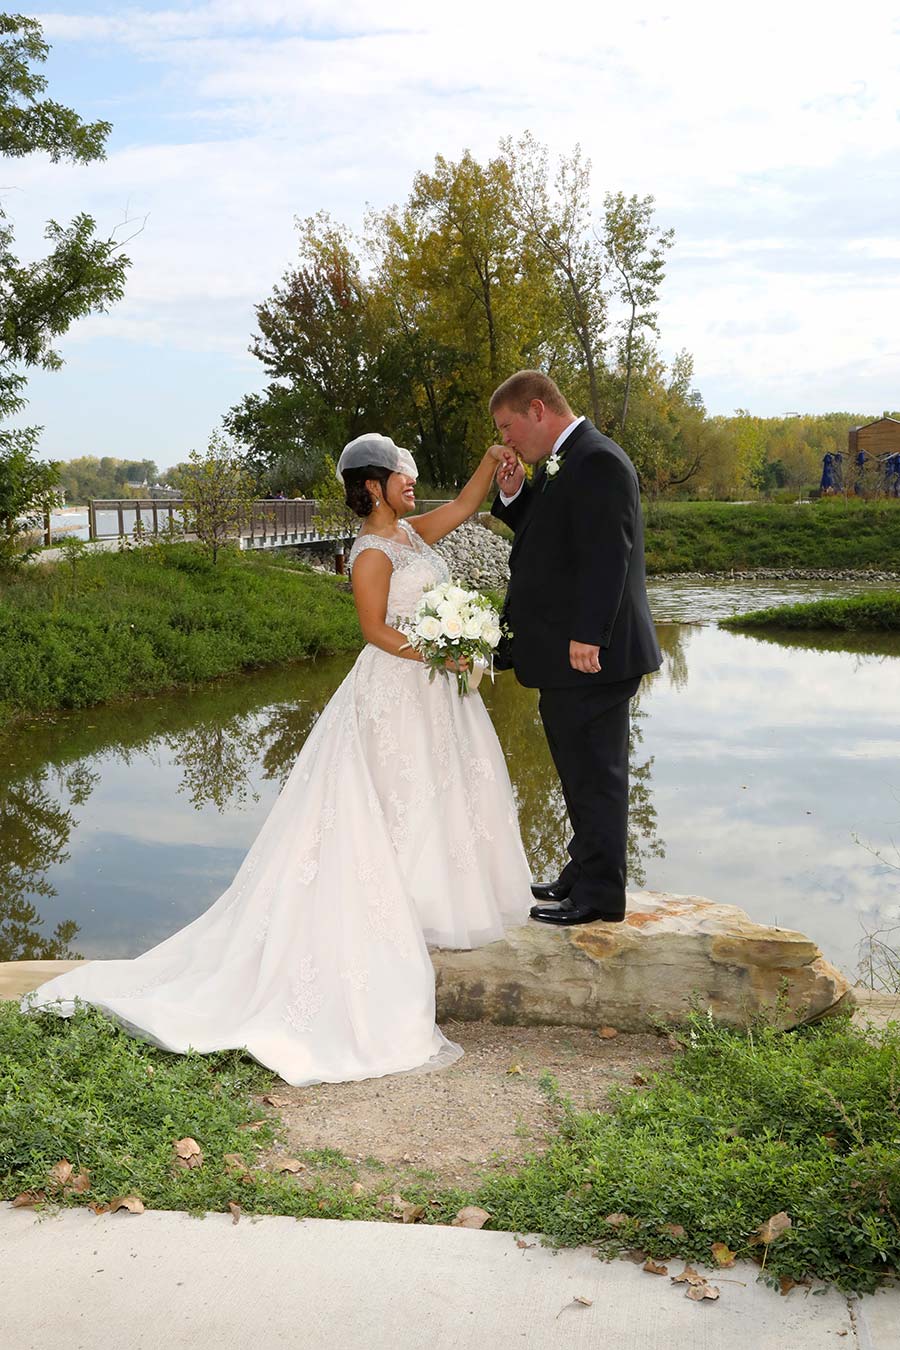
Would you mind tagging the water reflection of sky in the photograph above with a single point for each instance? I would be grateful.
(768, 763)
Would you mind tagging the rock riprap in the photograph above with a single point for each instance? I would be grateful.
(672, 951)
(477, 558)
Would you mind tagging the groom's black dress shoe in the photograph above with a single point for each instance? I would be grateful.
(551, 890)
(567, 914)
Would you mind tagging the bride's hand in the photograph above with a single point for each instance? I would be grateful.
(462, 664)
(510, 473)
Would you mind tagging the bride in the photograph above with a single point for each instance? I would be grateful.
(395, 828)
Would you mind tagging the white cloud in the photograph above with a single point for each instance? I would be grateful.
(769, 138)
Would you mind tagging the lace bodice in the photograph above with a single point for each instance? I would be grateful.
(416, 568)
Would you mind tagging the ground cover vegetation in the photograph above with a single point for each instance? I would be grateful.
(116, 625)
(707, 1160)
(877, 612)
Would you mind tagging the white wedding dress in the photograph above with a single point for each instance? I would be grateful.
(396, 828)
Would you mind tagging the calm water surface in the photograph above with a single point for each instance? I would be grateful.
(764, 773)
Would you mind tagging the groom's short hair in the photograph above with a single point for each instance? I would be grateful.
(520, 389)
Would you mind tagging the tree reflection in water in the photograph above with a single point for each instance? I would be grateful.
(34, 832)
(226, 739)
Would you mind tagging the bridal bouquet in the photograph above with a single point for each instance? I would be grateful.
(454, 623)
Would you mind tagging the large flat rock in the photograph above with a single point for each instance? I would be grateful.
(672, 951)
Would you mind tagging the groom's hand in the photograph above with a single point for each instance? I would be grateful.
(584, 658)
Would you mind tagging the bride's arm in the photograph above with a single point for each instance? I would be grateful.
(371, 584)
(433, 525)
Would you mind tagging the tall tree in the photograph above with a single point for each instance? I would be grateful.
(636, 251)
(81, 274)
(321, 347)
(555, 220)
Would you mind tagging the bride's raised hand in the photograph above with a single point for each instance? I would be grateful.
(510, 473)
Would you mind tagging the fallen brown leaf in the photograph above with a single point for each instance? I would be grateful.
(252, 1125)
(786, 1284)
(79, 1184)
(470, 1217)
(28, 1198)
(579, 1301)
(653, 1269)
(515, 1068)
(520, 1242)
(698, 1292)
(607, 1033)
(60, 1172)
(689, 1276)
(772, 1229)
(357, 1188)
(406, 1211)
(187, 1153)
(674, 1230)
(234, 1210)
(276, 1101)
(616, 1220)
(235, 1160)
(129, 1202)
(638, 1080)
(722, 1255)
(292, 1165)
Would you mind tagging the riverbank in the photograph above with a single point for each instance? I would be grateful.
(115, 626)
(667, 1145)
(831, 536)
(878, 612)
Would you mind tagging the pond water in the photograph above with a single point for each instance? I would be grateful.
(765, 773)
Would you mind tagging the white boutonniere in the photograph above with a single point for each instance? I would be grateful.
(552, 468)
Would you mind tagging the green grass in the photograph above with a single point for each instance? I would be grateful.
(878, 612)
(717, 537)
(739, 1128)
(118, 625)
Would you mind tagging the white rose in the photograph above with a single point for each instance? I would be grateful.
(488, 622)
(491, 636)
(456, 593)
(447, 610)
(429, 628)
(472, 627)
(552, 466)
(451, 626)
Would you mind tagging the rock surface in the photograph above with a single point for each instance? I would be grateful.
(671, 950)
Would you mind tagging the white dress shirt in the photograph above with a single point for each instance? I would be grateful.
(567, 431)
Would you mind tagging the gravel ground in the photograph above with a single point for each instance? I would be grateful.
(486, 1112)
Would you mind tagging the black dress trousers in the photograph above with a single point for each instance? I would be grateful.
(587, 730)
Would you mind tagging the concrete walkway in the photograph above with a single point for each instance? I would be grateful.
(75, 1281)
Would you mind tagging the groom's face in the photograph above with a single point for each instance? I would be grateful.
(525, 432)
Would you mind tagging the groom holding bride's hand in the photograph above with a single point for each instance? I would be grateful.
(581, 627)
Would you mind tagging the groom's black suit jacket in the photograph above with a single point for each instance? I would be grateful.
(577, 567)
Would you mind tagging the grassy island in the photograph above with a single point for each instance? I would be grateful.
(877, 612)
(115, 625)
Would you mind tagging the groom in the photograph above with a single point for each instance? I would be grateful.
(581, 627)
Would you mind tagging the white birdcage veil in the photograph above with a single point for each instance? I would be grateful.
(377, 450)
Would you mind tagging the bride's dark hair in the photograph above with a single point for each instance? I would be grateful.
(358, 496)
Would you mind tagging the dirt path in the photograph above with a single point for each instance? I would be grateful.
(486, 1112)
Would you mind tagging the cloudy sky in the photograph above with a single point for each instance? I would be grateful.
(769, 136)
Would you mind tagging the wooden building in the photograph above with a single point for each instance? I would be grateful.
(881, 437)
